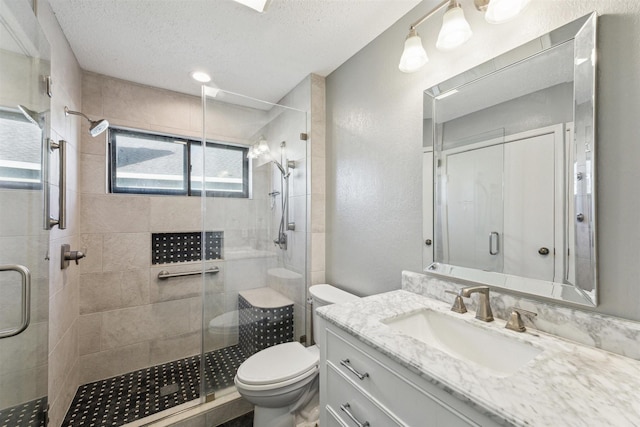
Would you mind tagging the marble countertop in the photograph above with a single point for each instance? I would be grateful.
(568, 384)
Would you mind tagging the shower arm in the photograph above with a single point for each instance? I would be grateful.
(76, 113)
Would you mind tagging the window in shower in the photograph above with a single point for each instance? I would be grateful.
(227, 169)
(147, 163)
(20, 152)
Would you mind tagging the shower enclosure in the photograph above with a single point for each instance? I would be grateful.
(238, 284)
(24, 221)
(259, 297)
(234, 283)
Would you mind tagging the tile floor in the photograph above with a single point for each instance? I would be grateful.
(125, 398)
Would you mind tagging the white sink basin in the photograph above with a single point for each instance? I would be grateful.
(463, 340)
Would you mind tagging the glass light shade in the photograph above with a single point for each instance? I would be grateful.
(414, 56)
(455, 29)
(262, 147)
(500, 11)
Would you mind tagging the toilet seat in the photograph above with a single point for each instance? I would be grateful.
(277, 366)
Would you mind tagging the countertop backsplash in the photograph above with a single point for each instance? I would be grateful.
(608, 333)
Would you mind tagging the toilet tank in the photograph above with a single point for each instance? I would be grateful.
(322, 295)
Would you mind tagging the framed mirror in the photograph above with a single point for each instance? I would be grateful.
(514, 169)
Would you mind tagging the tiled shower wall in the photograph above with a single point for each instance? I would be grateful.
(128, 318)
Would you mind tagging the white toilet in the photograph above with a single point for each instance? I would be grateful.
(281, 379)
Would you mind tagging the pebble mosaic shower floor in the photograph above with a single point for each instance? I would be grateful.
(129, 397)
(30, 414)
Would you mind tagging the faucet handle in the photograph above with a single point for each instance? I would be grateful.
(458, 303)
(515, 322)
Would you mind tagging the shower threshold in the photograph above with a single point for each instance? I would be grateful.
(135, 395)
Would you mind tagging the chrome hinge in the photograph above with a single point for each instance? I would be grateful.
(303, 339)
(304, 136)
(48, 86)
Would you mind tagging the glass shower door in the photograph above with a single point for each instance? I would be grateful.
(259, 213)
(24, 242)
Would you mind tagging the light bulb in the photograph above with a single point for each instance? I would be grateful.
(455, 29)
(500, 11)
(414, 56)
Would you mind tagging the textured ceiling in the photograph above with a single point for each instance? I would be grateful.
(159, 42)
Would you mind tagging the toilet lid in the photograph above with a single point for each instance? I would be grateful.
(276, 364)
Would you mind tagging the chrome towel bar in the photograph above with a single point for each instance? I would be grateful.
(164, 274)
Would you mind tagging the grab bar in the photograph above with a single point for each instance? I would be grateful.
(50, 222)
(25, 314)
(164, 274)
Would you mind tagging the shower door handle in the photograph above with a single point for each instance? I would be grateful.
(497, 245)
(50, 222)
(25, 311)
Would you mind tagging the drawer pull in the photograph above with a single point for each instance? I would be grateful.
(347, 365)
(345, 407)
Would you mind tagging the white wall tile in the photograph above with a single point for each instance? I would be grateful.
(175, 214)
(97, 366)
(93, 170)
(126, 251)
(114, 214)
(137, 324)
(113, 290)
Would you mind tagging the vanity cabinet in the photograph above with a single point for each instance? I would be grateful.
(360, 385)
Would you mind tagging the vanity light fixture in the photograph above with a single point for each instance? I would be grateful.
(455, 29)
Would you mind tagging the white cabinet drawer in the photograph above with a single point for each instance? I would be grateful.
(344, 399)
(411, 404)
(333, 419)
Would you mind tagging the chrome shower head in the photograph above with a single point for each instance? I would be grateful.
(285, 174)
(97, 126)
(35, 118)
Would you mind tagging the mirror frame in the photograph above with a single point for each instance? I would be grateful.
(583, 33)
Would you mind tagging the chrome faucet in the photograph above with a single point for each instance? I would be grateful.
(483, 311)
(515, 322)
(458, 305)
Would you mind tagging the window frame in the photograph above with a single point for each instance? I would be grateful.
(187, 165)
(24, 185)
(244, 194)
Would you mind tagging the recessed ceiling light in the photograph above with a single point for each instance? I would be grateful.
(259, 5)
(201, 76)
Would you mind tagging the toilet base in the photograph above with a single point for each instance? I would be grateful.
(273, 417)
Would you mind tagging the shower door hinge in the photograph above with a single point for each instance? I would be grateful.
(304, 136)
(48, 86)
(303, 339)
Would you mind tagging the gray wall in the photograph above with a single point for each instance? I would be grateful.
(374, 139)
